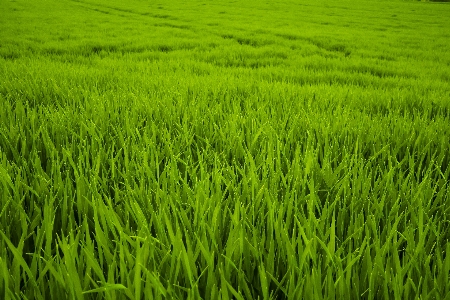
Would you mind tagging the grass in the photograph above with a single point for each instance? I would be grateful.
(224, 150)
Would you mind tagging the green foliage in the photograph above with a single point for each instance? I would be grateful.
(224, 150)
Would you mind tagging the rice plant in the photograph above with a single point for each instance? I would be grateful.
(224, 150)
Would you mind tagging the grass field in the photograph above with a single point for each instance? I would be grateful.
(224, 149)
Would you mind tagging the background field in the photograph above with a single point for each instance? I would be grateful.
(224, 149)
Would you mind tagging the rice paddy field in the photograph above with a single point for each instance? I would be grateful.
(279, 149)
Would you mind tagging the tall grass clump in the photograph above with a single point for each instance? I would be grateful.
(176, 150)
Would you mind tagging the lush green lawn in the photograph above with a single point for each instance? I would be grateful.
(224, 149)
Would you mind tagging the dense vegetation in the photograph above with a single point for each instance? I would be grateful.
(224, 149)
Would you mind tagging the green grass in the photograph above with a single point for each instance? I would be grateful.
(224, 149)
